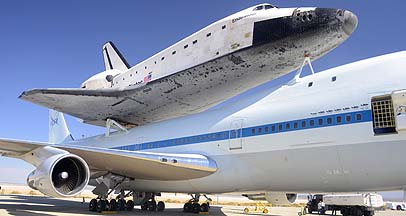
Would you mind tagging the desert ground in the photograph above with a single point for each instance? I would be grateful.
(22, 201)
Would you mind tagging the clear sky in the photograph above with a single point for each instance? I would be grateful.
(58, 44)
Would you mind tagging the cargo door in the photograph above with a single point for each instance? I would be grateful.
(235, 135)
(399, 108)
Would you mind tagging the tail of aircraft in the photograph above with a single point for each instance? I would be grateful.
(58, 130)
(113, 58)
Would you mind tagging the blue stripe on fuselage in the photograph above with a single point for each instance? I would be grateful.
(280, 127)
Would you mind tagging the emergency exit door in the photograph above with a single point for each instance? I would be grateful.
(235, 135)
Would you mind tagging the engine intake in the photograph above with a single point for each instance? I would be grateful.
(62, 175)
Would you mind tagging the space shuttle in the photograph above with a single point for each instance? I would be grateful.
(222, 60)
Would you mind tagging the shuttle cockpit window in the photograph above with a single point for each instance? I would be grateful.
(265, 6)
(259, 8)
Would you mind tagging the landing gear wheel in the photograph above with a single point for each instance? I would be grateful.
(93, 205)
(113, 205)
(187, 207)
(204, 207)
(398, 207)
(246, 210)
(152, 205)
(160, 206)
(144, 206)
(130, 205)
(101, 205)
(121, 205)
(196, 208)
(265, 211)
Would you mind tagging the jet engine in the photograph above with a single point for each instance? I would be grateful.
(61, 175)
(276, 198)
(280, 198)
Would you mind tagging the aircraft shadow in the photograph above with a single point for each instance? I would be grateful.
(22, 205)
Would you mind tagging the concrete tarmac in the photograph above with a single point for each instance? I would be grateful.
(22, 205)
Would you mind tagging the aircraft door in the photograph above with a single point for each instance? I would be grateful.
(399, 107)
(235, 141)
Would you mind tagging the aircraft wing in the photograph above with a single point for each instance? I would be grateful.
(137, 105)
(134, 164)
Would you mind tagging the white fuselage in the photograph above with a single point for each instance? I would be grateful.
(260, 144)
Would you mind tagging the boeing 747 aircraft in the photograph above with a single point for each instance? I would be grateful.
(347, 117)
(257, 145)
(222, 60)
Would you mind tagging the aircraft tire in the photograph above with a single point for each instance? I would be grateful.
(130, 205)
(121, 205)
(152, 205)
(101, 205)
(204, 207)
(113, 205)
(187, 207)
(196, 208)
(93, 205)
(144, 206)
(160, 206)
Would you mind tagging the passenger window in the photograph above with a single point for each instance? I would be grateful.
(329, 120)
(273, 127)
(195, 41)
(320, 121)
(259, 130)
(208, 35)
(280, 127)
(253, 130)
(174, 52)
(162, 58)
(295, 125)
(223, 27)
(268, 7)
(186, 46)
(348, 118)
(310, 84)
(338, 120)
(303, 124)
(287, 126)
(359, 117)
(266, 129)
(333, 79)
(312, 122)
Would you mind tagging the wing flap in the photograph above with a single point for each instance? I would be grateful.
(139, 165)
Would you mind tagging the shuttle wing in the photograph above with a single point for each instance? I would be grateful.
(134, 164)
(136, 105)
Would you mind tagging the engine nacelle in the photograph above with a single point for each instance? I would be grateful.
(280, 198)
(61, 175)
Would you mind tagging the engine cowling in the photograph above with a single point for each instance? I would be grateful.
(61, 175)
(280, 198)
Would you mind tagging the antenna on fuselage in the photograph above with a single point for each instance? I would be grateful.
(299, 72)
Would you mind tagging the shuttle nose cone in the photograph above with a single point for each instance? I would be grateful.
(350, 21)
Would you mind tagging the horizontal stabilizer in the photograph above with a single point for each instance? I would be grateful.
(113, 59)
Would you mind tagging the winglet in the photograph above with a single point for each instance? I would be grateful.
(113, 58)
(58, 130)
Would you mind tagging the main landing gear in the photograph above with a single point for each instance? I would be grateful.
(100, 205)
(145, 200)
(193, 205)
(152, 205)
